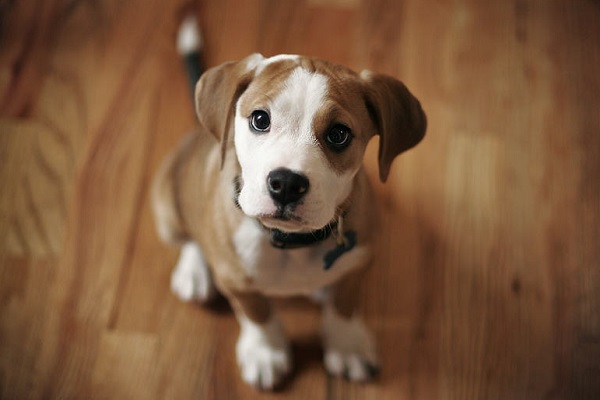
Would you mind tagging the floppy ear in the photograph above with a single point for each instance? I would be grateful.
(397, 115)
(217, 92)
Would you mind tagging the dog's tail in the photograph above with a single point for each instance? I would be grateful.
(189, 46)
(165, 193)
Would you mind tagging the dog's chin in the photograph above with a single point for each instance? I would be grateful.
(290, 225)
(283, 224)
(285, 220)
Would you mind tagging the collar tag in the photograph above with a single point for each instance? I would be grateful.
(345, 245)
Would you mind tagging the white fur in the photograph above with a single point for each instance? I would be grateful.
(189, 38)
(254, 61)
(349, 346)
(263, 353)
(191, 279)
(277, 272)
(291, 144)
(277, 58)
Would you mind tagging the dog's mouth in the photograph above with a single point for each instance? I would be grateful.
(285, 221)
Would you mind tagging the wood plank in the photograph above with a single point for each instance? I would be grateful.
(125, 366)
(25, 288)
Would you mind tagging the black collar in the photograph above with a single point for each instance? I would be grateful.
(285, 240)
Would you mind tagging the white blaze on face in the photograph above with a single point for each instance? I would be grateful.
(271, 60)
(291, 143)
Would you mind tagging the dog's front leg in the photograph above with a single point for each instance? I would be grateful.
(349, 346)
(263, 351)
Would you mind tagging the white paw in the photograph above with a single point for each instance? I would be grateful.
(191, 279)
(349, 347)
(263, 354)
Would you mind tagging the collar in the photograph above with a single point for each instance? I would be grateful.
(285, 240)
(345, 240)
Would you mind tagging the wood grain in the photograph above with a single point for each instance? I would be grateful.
(488, 277)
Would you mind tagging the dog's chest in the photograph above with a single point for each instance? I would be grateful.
(300, 271)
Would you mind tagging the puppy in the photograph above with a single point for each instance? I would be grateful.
(269, 199)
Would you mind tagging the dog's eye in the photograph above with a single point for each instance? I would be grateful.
(260, 121)
(338, 137)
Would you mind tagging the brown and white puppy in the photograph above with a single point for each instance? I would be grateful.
(269, 198)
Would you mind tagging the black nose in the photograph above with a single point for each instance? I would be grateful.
(286, 187)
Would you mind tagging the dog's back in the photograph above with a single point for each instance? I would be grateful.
(166, 190)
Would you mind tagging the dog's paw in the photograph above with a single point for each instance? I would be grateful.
(263, 354)
(353, 366)
(191, 279)
(349, 348)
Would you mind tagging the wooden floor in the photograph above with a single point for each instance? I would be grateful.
(488, 283)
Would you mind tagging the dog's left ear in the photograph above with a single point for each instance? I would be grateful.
(217, 92)
(397, 115)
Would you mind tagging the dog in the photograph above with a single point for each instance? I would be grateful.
(269, 198)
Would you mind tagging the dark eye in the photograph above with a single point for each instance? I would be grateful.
(260, 121)
(338, 137)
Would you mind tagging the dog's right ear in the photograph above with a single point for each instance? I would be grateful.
(217, 92)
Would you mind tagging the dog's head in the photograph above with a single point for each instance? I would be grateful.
(301, 127)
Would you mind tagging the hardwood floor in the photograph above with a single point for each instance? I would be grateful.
(488, 283)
